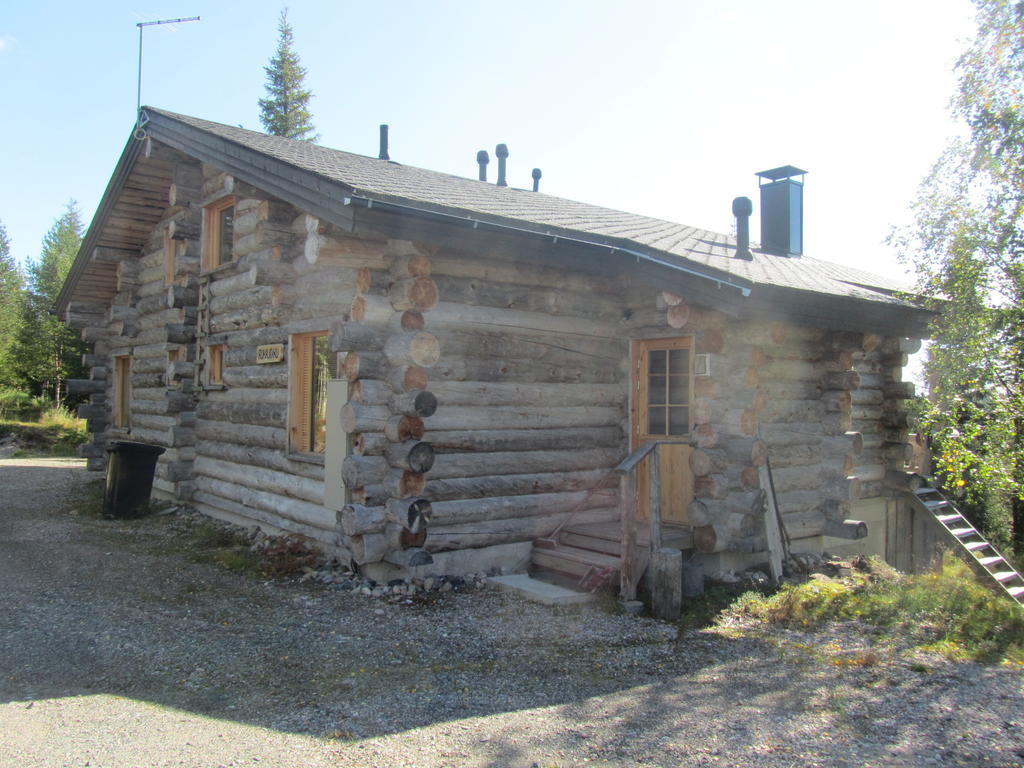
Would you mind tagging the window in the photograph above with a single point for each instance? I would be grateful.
(664, 377)
(218, 230)
(173, 355)
(216, 363)
(122, 391)
(310, 372)
(170, 253)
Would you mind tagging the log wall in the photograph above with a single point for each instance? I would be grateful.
(488, 400)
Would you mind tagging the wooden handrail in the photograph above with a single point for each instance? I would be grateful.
(630, 576)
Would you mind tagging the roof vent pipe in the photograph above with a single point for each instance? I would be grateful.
(741, 209)
(384, 143)
(536, 178)
(482, 159)
(502, 152)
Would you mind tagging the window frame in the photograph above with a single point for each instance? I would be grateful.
(170, 257)
(212, 255)
(215, 365)
(121, 415)
(641, 396)
(300, 395)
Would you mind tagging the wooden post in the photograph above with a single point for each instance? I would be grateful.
(667, 591)
(771, 527)
(628, 577)
(654, 513)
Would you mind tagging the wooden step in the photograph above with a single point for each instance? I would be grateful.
(973, 545)
(572, 560)
(987, 561)
(1015, 591)
(949, 518)
(1004, 576)
(592, 543)
(961, 533)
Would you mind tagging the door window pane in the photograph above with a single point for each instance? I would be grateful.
(679, 390)
(655, 421)
(656, 390)
(656, 362)
(318, 396)
(679, 361)
(678, 421)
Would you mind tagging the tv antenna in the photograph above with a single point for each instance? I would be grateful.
(142, 25)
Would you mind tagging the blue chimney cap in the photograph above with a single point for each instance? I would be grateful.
(782, 172)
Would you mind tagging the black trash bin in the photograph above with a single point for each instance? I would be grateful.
(130, 469)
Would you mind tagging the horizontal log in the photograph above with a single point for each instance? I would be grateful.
(847, 529)
(411, 455)
(418, 293)
(369, 548)
(417, 348)
(842, 380)
(441, 538)
(402, 484)
(370, 392)
(448, 315)
(85, 386)
(509, 417)
(447, 465)
(708, 511)
(256, 456)
(417, 402)
(462, 511)
(484, 393)
(349, 336)
(553, 299)
(357, 471)
(280, 508)
(518, 484)
(487, 440)
(452, 367)
(356, 519)
(370, 443)
(903, 481)
(356, 417)
(242, 434)
(284, 485)
(259, 414)
(400, 428)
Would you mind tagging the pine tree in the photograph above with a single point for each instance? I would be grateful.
(285, 111)
(967, 248)
(11, 284)
(48, 353)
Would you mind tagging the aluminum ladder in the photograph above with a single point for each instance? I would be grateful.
(971, 540)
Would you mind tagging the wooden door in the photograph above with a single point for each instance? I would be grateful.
(662, 398)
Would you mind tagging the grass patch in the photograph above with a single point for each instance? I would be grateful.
(56, 433)
(704, 611)
(946, 611)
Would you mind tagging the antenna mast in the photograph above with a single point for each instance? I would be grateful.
(141, 25)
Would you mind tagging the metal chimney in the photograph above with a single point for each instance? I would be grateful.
(536, 174)
(782, 211)
(741, 209)
(482, 160)
(502, 153)
(384, 143)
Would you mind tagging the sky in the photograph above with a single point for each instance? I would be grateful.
(662, 108)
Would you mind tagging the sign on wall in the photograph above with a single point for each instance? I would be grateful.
(269, 353)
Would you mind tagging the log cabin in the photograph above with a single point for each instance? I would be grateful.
(428, 373)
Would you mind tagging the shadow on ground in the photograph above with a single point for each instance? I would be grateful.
(96, 606)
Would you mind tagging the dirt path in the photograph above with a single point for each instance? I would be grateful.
(117, 650)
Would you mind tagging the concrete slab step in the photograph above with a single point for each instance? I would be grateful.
(540, 591)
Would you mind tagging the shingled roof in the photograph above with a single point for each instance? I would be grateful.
(318, 179)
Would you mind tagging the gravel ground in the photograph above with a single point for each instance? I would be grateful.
(117, 650)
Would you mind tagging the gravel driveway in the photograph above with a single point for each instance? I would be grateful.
(116, 650)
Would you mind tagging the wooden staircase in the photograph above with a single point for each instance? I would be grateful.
(585, 557)
(972, 542)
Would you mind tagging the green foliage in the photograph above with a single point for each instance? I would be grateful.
(967, 247)
(945, 609)
(18, 405)
(54, 433)
(285, 111)
(11, 285)
(46, 352)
